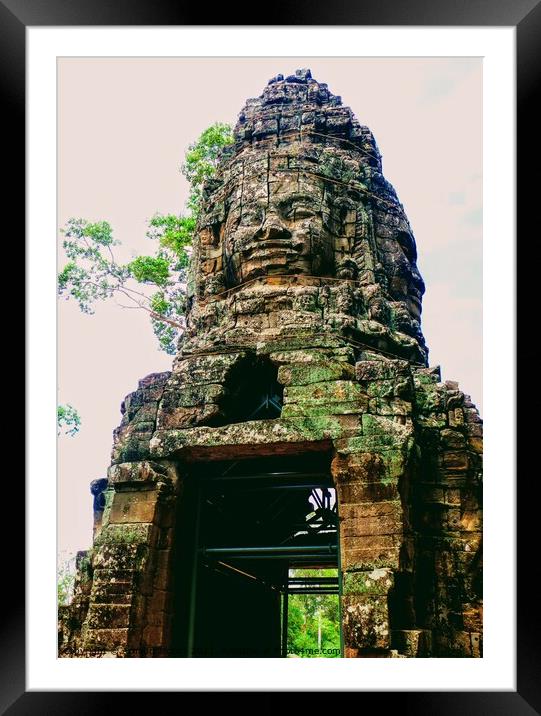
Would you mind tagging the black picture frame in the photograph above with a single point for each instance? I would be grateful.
(525, 16)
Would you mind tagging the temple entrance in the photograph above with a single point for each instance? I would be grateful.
(248, 531)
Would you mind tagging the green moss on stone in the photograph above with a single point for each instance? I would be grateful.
(291, 410)
(127, 533)
(377, 581)
(306, 373)
(322, 393)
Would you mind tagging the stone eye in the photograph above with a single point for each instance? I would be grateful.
(297, 209)
(302, 212)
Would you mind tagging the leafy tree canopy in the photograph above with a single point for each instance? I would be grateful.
(67, 420)
(202, 158)
(65, 580)
(92, 272)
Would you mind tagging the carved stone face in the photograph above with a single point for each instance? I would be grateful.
(280, 227)
(403, 277)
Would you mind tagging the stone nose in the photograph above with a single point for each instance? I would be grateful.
(273, 230)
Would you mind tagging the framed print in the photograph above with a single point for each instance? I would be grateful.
(297, 458)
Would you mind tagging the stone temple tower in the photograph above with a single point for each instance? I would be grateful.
(300, 425)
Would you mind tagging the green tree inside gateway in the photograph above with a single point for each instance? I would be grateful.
(313, 620)
(155, 283)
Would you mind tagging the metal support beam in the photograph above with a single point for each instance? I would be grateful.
(285, 616)
(308, 550)
(321, 479)
(195, 570)
(313, 580)
(340, 593)
(314, 591)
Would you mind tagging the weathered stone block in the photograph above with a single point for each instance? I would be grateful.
(338, 391)
(160, 601)
(187, 396)
(162, 574)
(370, 552)
(133, 507)
(373, 582)
(181, 418)
(365, 622)
(456, 418)
(251, 433)
(108, 616)
(381, 389)
(365, 467)
(137, 472)
(111, 594)
(156, 636)
(429, 399)
(291, 410)
(312, 355)
(386, 426)
(106, 640)
(121, 556)
(306, 373)
(355, 492)
(381, 370)
(476, 444)
(455, 460)
(413, 643)
(452, 439)
(368, 519)
(428, 375)
(206, 368)
(127, 533)
(395, 406)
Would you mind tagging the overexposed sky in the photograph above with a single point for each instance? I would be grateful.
(123, 127)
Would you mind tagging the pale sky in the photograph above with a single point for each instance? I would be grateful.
(124, 126)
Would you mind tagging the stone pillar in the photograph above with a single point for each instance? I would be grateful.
(370, 474)
(130, 601)
(371, 535)
(448, 513)
(71, 616)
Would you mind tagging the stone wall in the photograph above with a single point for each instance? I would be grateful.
(406, 466)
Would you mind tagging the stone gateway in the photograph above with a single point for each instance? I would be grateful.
(300, 425)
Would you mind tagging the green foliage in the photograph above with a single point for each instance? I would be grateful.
(201, 160)
(168, 305)
(65, 581)
(174, 234)
(314, 620)
(67, 419)
(92, 274)
(150, 269)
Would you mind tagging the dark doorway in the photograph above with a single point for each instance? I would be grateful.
(246, 526)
